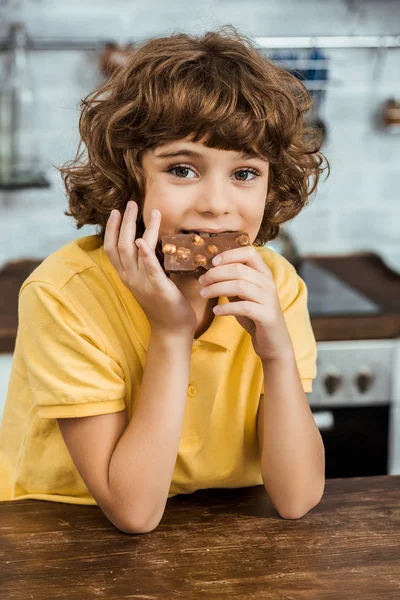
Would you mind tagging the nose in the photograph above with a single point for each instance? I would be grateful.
(213, 199)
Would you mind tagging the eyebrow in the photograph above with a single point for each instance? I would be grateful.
(194, 154)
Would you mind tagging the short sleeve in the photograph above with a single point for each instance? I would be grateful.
(68, 370)
(293, 297)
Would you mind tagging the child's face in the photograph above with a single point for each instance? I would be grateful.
(214, 191)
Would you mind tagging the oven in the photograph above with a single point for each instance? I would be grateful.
(352, 404)
(355, 440)
(356, 395)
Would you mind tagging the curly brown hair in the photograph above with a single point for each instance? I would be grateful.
(216, 87)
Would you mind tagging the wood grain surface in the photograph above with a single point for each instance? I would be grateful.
(212, 544)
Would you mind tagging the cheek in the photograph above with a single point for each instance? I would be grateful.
(146, 213)
(255, 219)
(255, 215)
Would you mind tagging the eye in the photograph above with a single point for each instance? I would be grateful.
(182, 169)
(255, 173)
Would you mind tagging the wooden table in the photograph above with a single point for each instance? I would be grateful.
(210, 544)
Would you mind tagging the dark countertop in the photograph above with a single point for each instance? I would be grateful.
(366, 272)
(226, 543)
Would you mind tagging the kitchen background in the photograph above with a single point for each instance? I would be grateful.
(357, 209)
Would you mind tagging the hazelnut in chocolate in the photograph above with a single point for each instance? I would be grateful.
(192, 253)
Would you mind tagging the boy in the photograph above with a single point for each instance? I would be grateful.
(129, 386)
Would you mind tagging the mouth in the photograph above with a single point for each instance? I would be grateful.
(210, 231)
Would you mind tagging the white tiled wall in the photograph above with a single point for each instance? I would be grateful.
(357, 208)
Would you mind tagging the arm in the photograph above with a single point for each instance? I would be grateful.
(128, 467)
(291, 448)
(143, 462)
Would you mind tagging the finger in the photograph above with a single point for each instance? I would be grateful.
(152, 229)
(126, 247)
(247, 255)
(235, 289)
(232, 271)
(111, 240)
(149, 260)
(239, 309)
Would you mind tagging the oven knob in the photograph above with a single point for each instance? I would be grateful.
(332, 382)
(364, 380)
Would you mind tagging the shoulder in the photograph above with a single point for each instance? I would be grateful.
(288, 283)
(61, 266)
(281, 268)
(59, 301)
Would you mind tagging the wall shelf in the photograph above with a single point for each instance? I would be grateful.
(373, 41)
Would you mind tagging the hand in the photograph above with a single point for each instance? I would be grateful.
(243, 275)
(139, 269)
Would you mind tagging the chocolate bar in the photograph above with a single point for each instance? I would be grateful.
(192, 253)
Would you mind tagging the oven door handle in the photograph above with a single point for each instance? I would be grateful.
(324, 420)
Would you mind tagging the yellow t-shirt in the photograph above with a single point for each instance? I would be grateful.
(81, 350)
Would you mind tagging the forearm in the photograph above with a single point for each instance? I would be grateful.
(143, 461)
(293, 456)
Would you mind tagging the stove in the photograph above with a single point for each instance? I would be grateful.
(329, 295)
(356, 395)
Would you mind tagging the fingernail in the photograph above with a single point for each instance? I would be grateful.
(216, 260)
(113, 214)
(154, 212)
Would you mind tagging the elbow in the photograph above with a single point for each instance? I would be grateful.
(137, 526)
(297, 512)
(292, 514)
(134, 529)
(131, 517)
